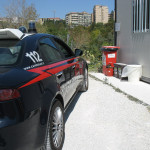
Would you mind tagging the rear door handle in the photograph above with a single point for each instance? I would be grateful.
(73, 67)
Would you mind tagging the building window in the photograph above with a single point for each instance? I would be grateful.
(141, 16)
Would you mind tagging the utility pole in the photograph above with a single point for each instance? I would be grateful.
(54, 16)
(115, 33)
(68, 36)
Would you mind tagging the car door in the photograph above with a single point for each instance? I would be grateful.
(53, 60)
(71, 70)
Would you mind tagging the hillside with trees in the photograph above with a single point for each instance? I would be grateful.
(89, 39)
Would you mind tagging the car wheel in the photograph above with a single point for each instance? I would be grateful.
(85, 84)
(56, 127)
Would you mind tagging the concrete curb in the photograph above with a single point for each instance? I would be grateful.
(136, 91)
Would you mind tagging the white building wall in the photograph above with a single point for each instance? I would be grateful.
(135, 47)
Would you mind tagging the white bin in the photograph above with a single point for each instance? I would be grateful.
(133, 72)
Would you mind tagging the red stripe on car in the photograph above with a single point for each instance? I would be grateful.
(40, 69)
(49, 71)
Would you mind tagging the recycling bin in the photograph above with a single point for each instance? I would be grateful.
(133, 72)
(109, 57)
(118, 67)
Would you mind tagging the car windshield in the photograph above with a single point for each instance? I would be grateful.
(9, 51)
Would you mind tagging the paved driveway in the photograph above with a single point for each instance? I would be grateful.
(103, 119)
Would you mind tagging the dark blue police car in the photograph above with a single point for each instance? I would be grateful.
(39, 76)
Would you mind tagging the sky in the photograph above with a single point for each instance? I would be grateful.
(46, 8)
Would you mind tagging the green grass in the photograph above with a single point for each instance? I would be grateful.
(95, 66)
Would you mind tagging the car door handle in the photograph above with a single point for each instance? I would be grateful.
(73, 67)
(59, 74)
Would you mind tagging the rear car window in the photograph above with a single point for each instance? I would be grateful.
(49, 51)
(9, 51)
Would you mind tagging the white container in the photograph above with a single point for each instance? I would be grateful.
(133, 72)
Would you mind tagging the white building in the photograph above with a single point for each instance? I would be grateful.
(75, 19)
(100, 14)
(133, 33)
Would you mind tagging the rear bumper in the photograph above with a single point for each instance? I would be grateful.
(20, 131)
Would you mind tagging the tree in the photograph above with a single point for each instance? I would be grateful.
(58, 28)
(80, 35)
(19, 13)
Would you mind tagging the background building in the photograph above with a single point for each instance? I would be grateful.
(75, 19)
(42, 20)
(100, 14)
(111, 16)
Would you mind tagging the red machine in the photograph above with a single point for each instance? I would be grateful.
(109, 58)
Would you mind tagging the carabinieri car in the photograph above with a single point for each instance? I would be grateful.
(39, 76)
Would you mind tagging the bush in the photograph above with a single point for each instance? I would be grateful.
(95, 66)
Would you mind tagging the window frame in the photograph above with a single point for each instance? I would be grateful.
(55, 39)
(49, 62)
(20, 58)
(141, 16)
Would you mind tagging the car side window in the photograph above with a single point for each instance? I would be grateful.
(63, 48)
(48, 50)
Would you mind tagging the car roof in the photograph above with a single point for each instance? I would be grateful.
(10, 33)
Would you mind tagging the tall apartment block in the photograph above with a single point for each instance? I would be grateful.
(111, 16)
(75, 19)
(100, 14)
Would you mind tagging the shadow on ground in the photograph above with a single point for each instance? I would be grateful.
(72, 106)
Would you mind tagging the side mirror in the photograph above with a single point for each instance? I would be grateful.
(78, 52)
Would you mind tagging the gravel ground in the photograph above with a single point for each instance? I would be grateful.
(103, 119)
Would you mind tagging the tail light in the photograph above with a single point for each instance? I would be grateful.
(8, 94)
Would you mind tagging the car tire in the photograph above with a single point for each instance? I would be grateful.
(56, 128)
(85, 84)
